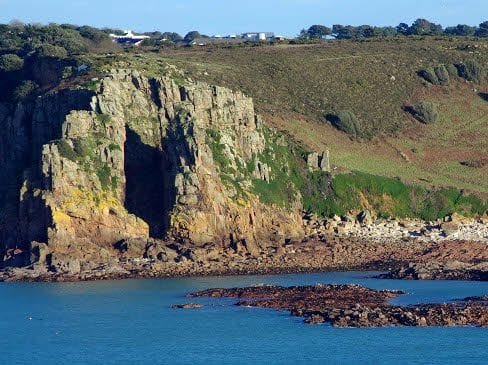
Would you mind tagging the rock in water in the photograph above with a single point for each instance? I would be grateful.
(355, 306)
(187, 306)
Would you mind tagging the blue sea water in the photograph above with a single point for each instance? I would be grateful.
(130, 322)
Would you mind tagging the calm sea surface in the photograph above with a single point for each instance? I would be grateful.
(130, 322)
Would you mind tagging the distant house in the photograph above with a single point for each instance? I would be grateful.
(129, 38)
(258, 36)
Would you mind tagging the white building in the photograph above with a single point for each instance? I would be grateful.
(258, 36)
(129, 38)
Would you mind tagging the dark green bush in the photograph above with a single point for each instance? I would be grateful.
(11, 62)
(471, 71)
(65, 150)
(437, 75)
(426, 112)
(347, 122)
(452, 70)
(429, 75)
(25, 89)
(442, 74)
(48, 50)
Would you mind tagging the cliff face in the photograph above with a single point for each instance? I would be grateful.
(137, 158)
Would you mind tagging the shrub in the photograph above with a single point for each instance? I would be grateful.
(426, 112)
(83, 147)
(11, 62)
(437, 75)
(347, 122)
(48, 50)
(471, 71)
(104, 175)
(442, 74)
(25, 89)
(452, 70)
(65, 150)
(429, 75)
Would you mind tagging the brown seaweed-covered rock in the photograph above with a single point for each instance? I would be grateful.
(453, 270)
(355, 306)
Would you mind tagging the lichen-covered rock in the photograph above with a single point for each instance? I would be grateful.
(319, 161)
(140, 158)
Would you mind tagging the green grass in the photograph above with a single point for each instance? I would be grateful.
(391, 197)
(104, 119)
(104, 172)
(114, 147)
(91, 85)
(313, 80)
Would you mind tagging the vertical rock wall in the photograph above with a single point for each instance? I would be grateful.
(137, 158)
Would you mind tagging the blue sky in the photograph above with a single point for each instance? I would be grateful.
(285, 17)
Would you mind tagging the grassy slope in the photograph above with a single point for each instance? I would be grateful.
(294, 86)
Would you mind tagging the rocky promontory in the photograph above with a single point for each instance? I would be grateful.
(150, 176)
(354, 306)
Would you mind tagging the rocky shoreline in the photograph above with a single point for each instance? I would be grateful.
(410, 257)
(355, 306)
(439, 271)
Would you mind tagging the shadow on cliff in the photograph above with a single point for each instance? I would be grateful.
(149, 185)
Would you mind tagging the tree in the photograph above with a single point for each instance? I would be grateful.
(364, 31)
(303, 34)
(388, 31)
(37, 35)
(461, 30)
(172, 36)
(191, 36)
(11, 62)
(318, 31)
(424, 27)
(482, 30)
(343, 32)
(93, 34)
(24, 90)
(48, 50)
(403, 28)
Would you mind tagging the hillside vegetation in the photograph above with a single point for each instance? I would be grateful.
(405, 118)
(296, 87)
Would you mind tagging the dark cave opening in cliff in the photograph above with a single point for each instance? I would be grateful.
(146, 184)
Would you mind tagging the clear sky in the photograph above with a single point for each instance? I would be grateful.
(212, 17)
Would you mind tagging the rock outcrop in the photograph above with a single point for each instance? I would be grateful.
(355, 306)
(85, 172)
(319, 161)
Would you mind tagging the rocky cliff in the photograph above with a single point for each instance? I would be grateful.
(137, 161)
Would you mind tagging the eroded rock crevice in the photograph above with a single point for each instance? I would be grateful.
(147, 180)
